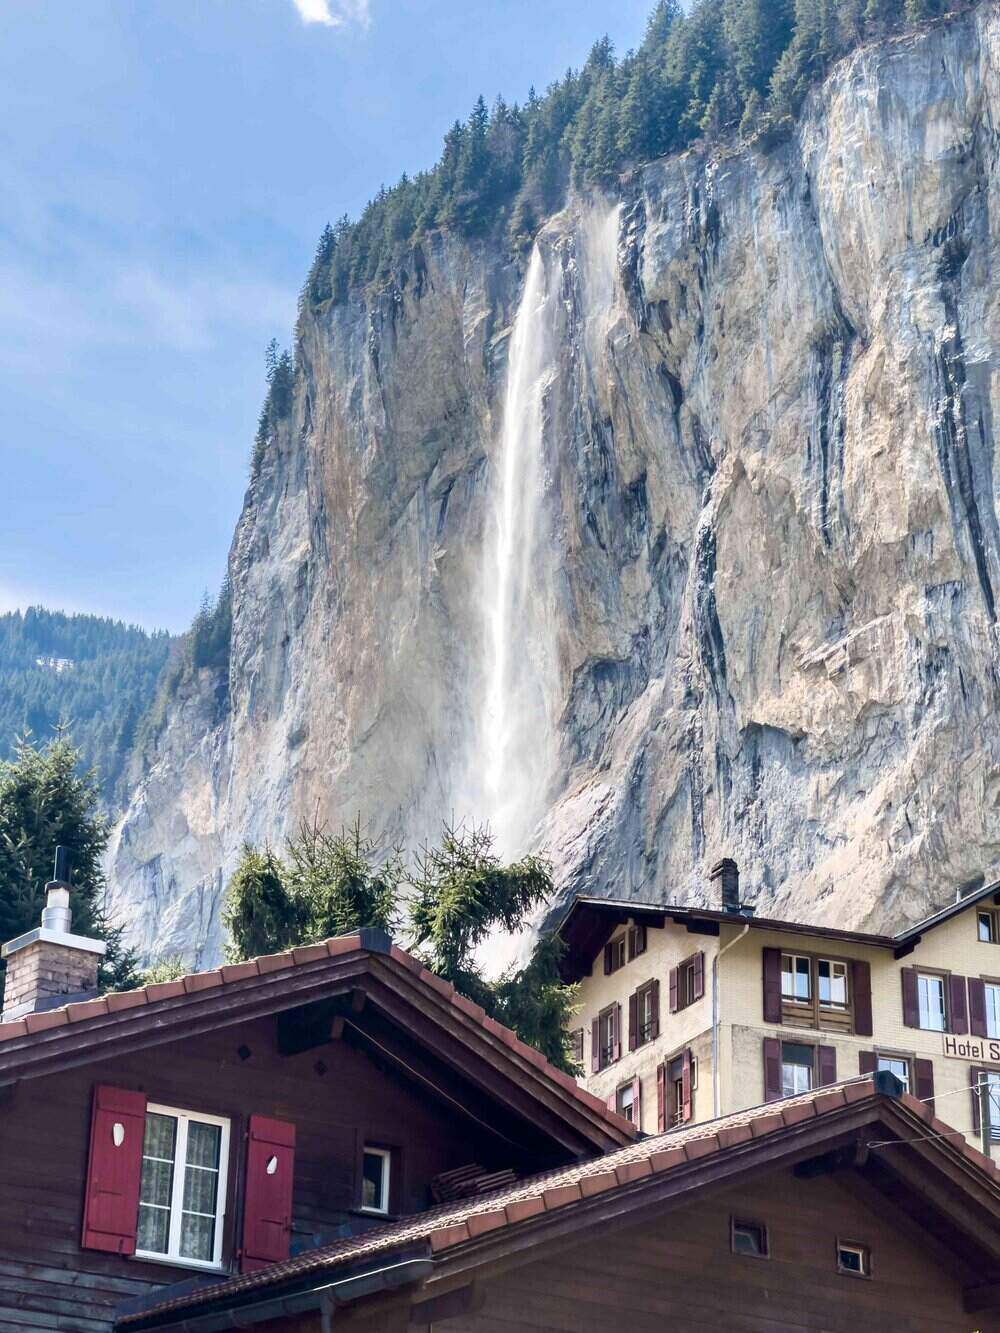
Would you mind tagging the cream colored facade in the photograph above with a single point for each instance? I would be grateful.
(730, 1051)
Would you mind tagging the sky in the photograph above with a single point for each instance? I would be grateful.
(166, 167)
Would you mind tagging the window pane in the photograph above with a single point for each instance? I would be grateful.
(154, 1227)
(203, 1144)
(795, 977)
(901, 1068)
(156, 1182)
(371, 1184)
(930, 993)
(832, 982)
(200, 1190)
(197, 1237)
(985, 927)
(993, 1011)
(748, 1239)
(160, 1137)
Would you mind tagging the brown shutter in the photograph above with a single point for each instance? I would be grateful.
(977, 1007)
(661, 1098)
(111, 1204)
(772, 1068)
(267, 1193)
(861, 982)
(867, 1062)
(637, 1103)
(827, 1065)
(686, 1103)
(616, 1053)
(923, 1077)
(699, 975)
(958, 1013)
(633, 1020)
(595, 1046)
(772, 985)
(911, 1005)
(613, 1103)
(607, 960)
(673, 990)
(656, 1008)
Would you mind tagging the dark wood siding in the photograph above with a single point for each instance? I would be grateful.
(48, 1282)
(678, 1273)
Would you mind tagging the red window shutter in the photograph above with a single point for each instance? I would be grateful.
(637, 1103)
(772, 985)
(911, 1005)
(861, 981)
(617, 1052)
(699, 975)
(595, 1046)
(267, 1198)
(111, 1205)
(673, 989)
(608, 969)
(923, 1077)
(772, 1068)
(867, 1062)
(656, 1008)
(661, 1098)
(827, 1063)
(686, 1105)
(958, 1013)
(633, 1020)
(977, 1007)
(613, 1103)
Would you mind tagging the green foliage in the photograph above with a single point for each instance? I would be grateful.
(724, 67)
(457, 895)
(280, 374)
(45, 802)
(166, 969)
(96, 675)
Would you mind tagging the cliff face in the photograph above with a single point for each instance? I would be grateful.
(677, 540)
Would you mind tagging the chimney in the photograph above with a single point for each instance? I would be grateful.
(49, 966)
(727, 873)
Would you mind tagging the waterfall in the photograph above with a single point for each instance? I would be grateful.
(521, 674)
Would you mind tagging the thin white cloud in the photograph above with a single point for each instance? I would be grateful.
(334, 13)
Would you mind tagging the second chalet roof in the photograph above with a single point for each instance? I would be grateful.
(855, 1119)
(590, 921)
(382, 998)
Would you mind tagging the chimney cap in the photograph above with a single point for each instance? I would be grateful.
(722, 866)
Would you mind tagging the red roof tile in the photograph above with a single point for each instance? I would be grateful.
(454, 1224)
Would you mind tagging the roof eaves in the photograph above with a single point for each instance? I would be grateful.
(945, 913)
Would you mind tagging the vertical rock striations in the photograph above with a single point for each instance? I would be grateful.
(765, 462)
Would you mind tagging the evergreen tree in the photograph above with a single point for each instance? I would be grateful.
(46, 802)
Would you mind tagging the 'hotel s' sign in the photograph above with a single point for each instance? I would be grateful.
(972, 1048)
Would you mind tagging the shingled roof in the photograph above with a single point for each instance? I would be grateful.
(45, 1042)
(730, 1142)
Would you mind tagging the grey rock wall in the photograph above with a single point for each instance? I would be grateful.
(774, 548)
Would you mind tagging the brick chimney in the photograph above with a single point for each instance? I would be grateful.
(727, 873)
(49, 966)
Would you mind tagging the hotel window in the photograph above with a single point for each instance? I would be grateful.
(895, 1064)
(991, 1078)
(614, 955)
(832, 977)
(636, 942)
(992, 990)
(987, 926)
(625, 1101)
(646, 1013)
(606, 1036)
(931, 1002)
(182, 1189)
(576, 1045)
(375, 1171)
(853, 1259)
(687, 982)
(797, 1068)
(749, 1238)
(796, 978)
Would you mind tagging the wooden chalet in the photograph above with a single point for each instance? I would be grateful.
(220, 1123)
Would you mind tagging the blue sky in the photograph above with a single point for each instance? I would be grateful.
(166, 167)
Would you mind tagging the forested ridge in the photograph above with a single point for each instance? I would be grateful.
(726, 67)
(93, 675)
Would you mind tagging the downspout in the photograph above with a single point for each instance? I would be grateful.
(715, 1018)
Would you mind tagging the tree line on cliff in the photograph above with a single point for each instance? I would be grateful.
(725, 67)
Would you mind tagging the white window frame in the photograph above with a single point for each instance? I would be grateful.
(835, 965)
(382, 1208)
(992, 1010)
(795, 1064)
(173, 1255)
(924, 1009)
(887, 1057)
(797, 958)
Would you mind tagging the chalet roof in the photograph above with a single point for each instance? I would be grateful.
(367, 974)
(590, 920)
(681, 1159)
